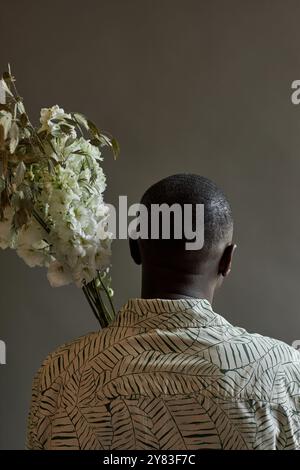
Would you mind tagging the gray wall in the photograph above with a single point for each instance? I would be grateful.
(185, 85)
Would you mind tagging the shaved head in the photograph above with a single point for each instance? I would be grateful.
(169, 269)
(191, 189)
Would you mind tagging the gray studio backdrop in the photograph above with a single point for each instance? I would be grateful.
(186, 86)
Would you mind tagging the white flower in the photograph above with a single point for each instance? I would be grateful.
(58, 275)
(31, 244)
(70, 201)
(5, 122)
(47, 114)
(50, 113)
(90, 149)
(31, 233)
(34, 255)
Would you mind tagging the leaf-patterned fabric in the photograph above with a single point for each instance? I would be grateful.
(168, 374)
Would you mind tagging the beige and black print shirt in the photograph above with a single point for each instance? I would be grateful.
(168, 374)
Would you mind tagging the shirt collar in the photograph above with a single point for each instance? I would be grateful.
(148, 314)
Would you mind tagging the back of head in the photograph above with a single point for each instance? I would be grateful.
(187, 189)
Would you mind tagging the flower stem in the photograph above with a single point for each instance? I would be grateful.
(90, 301)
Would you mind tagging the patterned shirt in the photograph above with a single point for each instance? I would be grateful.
(168, 374)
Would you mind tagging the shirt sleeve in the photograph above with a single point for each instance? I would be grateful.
(289, 429)
(33, 438)
(277, 426)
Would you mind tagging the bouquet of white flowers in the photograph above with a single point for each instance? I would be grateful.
(52, 210)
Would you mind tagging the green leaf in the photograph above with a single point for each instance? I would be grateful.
(81, 119)
(56, 120)
(23, 120)
(5, 88)
(96, 142)
(43, 134)
(105, 140)
(20, 172)
(71, 122)
(70, 141)
(21, 107)
(6, 76)
(93, 128)
(51, 167)
(65, 128)
(14, 137)
(4, 107)
(116, 147)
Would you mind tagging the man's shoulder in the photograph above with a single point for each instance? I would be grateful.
(67, 358)
(265, 356)
(253, 366)
(283, 351)
(260, 345)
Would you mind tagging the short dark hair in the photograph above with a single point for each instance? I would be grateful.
(186, 188)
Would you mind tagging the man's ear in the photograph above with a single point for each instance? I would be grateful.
(135, 251)
(226, 260)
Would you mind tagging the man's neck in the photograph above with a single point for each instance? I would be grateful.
(162, 285)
